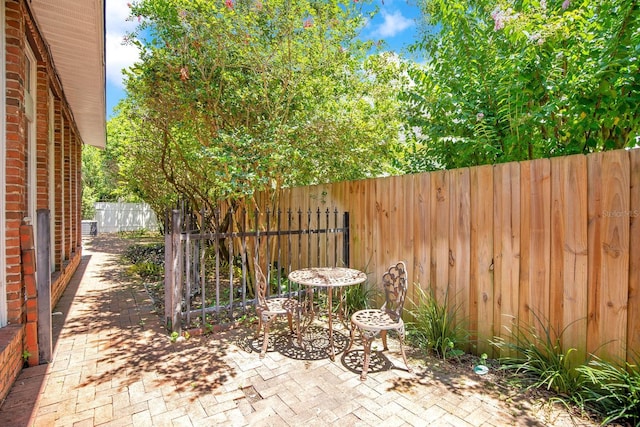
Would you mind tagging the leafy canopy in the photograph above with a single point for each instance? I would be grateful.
(507, 81)
(235, 96)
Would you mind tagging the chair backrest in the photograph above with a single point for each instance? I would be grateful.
(395, 289)
(261, 285)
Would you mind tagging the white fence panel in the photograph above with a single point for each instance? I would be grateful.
(115, 217)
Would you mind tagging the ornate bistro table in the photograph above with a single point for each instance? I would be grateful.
(328, 277)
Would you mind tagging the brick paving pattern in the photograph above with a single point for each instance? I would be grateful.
(114, 366)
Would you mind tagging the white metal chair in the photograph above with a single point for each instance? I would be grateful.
(270, 308)
(371, 322)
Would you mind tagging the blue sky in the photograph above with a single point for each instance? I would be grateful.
(396, 24)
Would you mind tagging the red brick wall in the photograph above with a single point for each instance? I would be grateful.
(21, 30)
(11, 338)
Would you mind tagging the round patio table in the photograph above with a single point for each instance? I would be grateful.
(327, 277)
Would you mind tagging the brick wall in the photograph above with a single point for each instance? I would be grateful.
(11, 338)
(22, 31)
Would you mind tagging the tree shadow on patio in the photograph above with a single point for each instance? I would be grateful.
(128, 347)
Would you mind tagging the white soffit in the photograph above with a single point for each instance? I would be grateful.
(75, 33)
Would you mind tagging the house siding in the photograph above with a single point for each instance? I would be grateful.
(21, 332)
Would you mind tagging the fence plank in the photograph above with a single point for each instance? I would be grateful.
(405, 229)
(383, 222)
(569, 250)
(507, 216)
(633, 328)
(354, 202)
(422, 230)
(481, 255)
(525, 315)
(460, 243)
(398, 228)
(609, 238)
(369, 216)
(549, 227)
(535, 247)
(440, 216)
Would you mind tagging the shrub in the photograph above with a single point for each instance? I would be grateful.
(153, 253)
(611, 390)
(147, 271)
(357, 297)
(436, 326)
(540, 358)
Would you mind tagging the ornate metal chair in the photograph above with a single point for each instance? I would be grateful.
(372, 322)
(270, 308)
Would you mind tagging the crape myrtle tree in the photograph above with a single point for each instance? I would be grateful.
(231, 97)
(507, 81)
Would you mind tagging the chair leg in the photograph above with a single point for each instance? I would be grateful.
(265, 343)
(383, 335)
(290, 321)
(259, 324)
(366, 340)
(353, 335)
(404, 356)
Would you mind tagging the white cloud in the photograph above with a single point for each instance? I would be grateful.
(118, 55)
(392, 24)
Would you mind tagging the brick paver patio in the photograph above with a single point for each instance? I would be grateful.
(114, 366)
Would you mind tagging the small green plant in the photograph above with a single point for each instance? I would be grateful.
(26, 355)
(436, 326)
(536, 353)
(357, 297)
(483, 359)
(146, 270)
(152, 252)
(174, 336)
(612, 391)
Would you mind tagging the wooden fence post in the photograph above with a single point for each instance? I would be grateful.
(176, 270)
(43, 280)
(168, 272)
(172, 279)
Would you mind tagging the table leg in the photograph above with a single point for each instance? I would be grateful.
(309, 312)
(332, 355)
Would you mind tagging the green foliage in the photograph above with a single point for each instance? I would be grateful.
(147, 270)
(88, 210)
(100, 177)
(147, 261)
(357, 297)
(611, 390)
(536, 354)
(152, 252)
(241, 96)
(508, 81)
(138, 234)
(436, 326)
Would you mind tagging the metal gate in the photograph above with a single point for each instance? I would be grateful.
(209, 258)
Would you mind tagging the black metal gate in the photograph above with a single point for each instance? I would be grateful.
(209, 259)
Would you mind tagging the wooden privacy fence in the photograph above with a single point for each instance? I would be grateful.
(209, 258)
(555, 238)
